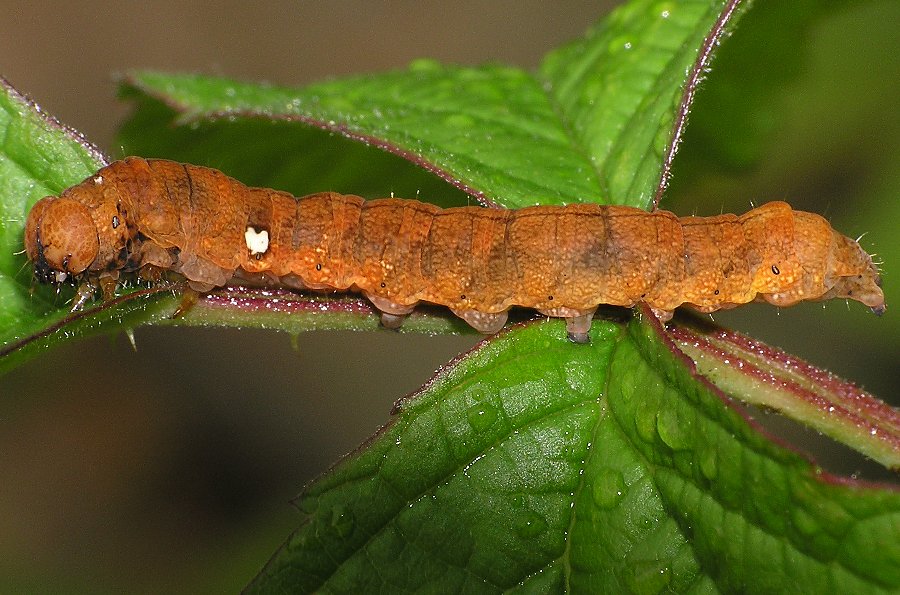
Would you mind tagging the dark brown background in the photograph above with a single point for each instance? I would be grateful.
(169, 469)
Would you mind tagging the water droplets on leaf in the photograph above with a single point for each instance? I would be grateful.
(460, 121)
(671, 429)
(481, 416)
(664, 9)
(648, 576)
(530, 524)
(342, 521)
(620, 44)
(609, 488)
(709, 463)
(645, 423)
(804, 523)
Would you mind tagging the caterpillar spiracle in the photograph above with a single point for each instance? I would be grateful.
(560, 260)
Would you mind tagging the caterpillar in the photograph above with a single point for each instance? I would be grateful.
(560, 260)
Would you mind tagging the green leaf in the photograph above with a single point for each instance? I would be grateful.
(488, 130)
(624, 90)
(760, 375)
(280, 154)
(39, 156)
(536, 464)
(596, 125)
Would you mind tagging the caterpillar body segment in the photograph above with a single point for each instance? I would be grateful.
(560, 260)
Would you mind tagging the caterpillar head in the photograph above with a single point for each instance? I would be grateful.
(60, 238)
(853, 275)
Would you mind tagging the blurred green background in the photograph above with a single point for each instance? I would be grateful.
(170, 468)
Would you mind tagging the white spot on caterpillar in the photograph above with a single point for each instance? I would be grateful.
(98, 180)
(61, 276)
(257, 241)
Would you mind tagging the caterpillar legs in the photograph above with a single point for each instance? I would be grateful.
(664, 316)
(87, 288)
(578, 322)
(85, 292)
(189, 297)
(392, 321)
(577, 327)
(483, 322)
(392, 313)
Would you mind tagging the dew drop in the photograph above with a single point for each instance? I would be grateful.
(805, 524)
(645, 423)
(648, 576)
(619, 44)
(342, 521)
(460, 121)
(671, 429)
(664, 9)
(709, 463)
(609, 488)
(481, 416)
(530, 524)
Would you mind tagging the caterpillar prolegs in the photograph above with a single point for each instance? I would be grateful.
(560, 260)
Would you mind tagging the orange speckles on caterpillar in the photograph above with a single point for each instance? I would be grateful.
(479, 262)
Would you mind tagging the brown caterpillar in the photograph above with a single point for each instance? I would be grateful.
(561, 261)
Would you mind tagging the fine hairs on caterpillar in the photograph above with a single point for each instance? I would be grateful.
(560, 260)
